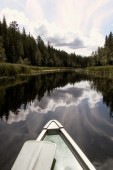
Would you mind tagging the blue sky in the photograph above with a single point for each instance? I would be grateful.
(71, 25)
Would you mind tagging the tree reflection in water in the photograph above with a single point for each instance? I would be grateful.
(13, 95)
(88, 124)
(105, 86)
(11, 98)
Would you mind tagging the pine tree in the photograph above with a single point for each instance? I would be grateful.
(32, 50)
(24, 41)
(109, 48)
(5, 36)
(0, 28)
(2, 51)
(16, 45)
(38, 57)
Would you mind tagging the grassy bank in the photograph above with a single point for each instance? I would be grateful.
(101, 71)
(7, 70)
(12, 70)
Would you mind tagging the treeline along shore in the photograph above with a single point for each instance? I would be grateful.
(21, 53)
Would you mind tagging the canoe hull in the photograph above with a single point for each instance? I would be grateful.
(53, 127)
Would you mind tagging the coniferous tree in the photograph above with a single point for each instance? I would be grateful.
(38, 57)
(5, 36)
(32, 50)
(2, 51)
(43, 50)
(0, 28)
(22, 48)
(25, 44)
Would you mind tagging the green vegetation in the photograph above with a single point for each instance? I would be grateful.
(104, 55)
(31, 56)
(11, 70)
(18, 47)
(100, 71)
(100, 68)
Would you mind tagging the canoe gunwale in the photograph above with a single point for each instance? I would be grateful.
(77, 152)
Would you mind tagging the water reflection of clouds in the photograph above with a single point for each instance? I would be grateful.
(82, 112)
(69, 95)
(107, 165)
(20, 116)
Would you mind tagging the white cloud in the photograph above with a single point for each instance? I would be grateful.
(21, 116)
(20, 17)
(34, 9)
(66, 20)
(91, 95)
(66, 98)
(13, 14)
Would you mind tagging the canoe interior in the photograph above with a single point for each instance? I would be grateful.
(64, 158)
(68, 154)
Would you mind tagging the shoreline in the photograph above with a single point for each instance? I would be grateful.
(11, 71)
(99, 71)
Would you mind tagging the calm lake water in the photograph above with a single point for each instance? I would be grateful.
(84, 106)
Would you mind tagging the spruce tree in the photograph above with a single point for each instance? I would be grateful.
(2, 51)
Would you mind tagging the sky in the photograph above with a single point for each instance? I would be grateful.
(70, 25)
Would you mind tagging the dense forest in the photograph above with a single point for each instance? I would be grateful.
(104, 55)
(18, 47)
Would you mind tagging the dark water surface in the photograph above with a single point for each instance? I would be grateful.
(84, 106)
